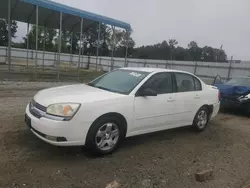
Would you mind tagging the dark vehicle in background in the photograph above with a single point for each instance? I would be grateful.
(235, 93)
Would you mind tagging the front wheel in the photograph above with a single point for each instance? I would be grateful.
(105, 135)
(201, 119)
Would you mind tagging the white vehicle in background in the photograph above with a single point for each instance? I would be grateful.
(122, 103)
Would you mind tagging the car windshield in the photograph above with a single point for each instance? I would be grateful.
(239, 82)
(119, 81)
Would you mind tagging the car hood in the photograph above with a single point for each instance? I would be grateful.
(232, 90)
(79, 93)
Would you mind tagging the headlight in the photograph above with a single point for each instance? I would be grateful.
(63, 109)
(244, 98)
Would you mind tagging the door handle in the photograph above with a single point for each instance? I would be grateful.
(170, 99)
(197, 96)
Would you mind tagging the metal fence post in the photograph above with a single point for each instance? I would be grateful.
(83, 49)
(112, 48)
(9, 36)
(195, 67)
(80, 47)
(127, 62)
(37, 19)
(88, 63)
(126, 57)
(6, 54)
(166, 64)
(28, 29)
(100, 62)
(43, 47)
(55, 59)
(126, 52)
(229, 68)
(59, 48)
(98, 43)
(71, 48)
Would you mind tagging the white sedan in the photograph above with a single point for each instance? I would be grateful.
(122, 103)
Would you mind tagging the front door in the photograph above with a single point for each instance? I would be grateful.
(152, 113)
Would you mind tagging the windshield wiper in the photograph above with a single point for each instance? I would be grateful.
(100, 87)
(104, 88)
(90, 84)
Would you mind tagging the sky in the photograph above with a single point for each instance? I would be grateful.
(208, 22)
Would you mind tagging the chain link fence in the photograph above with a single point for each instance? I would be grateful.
(23, 62)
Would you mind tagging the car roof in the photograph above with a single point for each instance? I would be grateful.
(150, 70)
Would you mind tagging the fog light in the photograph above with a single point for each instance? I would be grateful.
(52, 138)
(61, 139)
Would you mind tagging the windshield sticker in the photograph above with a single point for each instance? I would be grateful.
(135, 74)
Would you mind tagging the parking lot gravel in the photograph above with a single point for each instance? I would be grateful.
(164, 159)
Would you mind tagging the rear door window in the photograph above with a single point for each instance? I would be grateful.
(185, 82)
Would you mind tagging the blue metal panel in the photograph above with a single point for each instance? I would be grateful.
(77, 12)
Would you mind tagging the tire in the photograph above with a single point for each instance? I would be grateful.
(105, 135)
(201, 119)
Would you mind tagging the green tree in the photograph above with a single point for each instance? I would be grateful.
(32, 38)
(172, 43)
(156, 51)
(124, 41)
(170, 50)
(194, 51)
(114, 39)
(50, 35)
(91, 36)
(181, 54)
(213, 54)
(4, 31)
(46, 34)
(65, 39)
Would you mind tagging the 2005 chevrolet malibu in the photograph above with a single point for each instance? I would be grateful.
(122, 103)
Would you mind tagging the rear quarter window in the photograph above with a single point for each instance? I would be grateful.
(197, 84)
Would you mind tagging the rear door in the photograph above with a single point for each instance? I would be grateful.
(188, 96)
(155, 112)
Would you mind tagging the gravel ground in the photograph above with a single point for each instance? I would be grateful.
(165, 159)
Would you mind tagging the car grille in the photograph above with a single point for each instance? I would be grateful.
(33, 109)
(38, 106)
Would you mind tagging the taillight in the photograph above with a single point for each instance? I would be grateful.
(219, 95)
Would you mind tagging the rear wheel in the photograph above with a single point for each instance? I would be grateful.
(201, 119)
(105, 135)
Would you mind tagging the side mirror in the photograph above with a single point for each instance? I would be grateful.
(144, 92)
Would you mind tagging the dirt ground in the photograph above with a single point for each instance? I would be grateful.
(166, 159)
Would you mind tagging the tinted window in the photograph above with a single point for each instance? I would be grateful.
(120, 81)
(161, 83)
(197, 84)
(184, 82)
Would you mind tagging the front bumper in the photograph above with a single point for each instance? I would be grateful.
(59, 133)
(44, 136)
